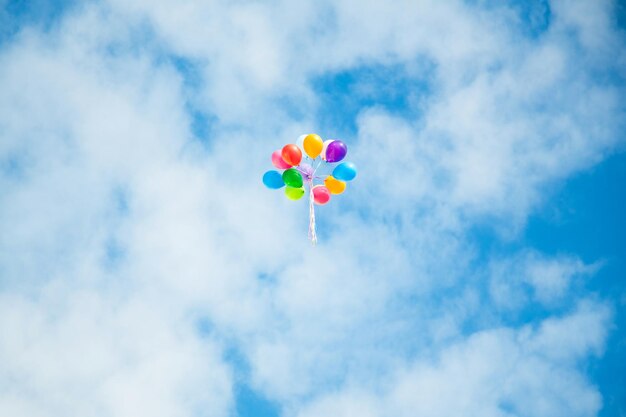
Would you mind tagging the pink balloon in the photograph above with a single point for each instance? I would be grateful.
(278, 161)
(321, 195)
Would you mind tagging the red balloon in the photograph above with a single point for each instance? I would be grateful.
(291, 154)
(321, 195)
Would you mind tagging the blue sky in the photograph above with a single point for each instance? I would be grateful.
(476, 266)
(586, 218)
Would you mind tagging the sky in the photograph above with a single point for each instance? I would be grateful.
(476, 266)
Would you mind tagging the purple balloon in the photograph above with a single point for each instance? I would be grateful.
(336, 151)
(306, 170)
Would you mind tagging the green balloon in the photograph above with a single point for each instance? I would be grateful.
(293, 193)
(292, 178)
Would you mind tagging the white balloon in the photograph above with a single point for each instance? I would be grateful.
(326, 143)
(300, 143)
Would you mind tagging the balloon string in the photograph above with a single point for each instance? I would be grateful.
(312, 234)
(315, 169)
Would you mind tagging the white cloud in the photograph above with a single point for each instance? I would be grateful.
(499, 372)
(516, 280)
(100, 352)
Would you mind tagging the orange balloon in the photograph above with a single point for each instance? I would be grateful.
(313, 145)
(334, 185)
(291, 154)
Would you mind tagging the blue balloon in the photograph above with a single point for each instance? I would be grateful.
(273, 180)
(345, 171)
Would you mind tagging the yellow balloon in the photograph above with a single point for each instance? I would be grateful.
(334, 185)
(313, 145)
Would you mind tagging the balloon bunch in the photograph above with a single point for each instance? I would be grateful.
(305, 170)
